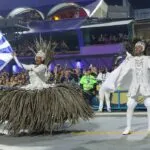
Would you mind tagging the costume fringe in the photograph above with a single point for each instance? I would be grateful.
(42, 110)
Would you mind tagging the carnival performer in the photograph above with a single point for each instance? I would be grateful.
(40, 107)
(103, 95)
(133, 74)
(37, 73)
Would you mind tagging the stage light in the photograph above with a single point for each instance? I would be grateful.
(50, 67)
(78, 64)
(15, 69)
(56, 18)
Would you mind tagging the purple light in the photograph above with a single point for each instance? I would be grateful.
(78, 64)
(50, 67)
(14, 69)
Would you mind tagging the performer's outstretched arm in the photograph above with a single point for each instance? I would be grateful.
(40, 68)
(28, 67)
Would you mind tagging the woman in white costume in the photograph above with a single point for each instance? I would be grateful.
(40, 107)
(133, 75)
(37, 73)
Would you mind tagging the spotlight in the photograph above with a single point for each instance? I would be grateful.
(50, 67)
(15, 69)
(78, 64)
(56, 18)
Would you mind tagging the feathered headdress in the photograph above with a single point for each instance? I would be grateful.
(44, 49)
(140, 43)
(130, 45)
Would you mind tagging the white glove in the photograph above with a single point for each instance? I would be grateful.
(128, 56)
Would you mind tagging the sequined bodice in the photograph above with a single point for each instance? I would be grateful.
(139, 64)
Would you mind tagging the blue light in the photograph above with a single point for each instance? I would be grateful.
(50, 67)
(78, 64)
(15, 69)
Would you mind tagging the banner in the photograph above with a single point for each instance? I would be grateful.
(6, 53)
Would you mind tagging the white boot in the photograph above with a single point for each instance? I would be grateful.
(109, 110)
(127, 131)
(131, 105)
(100, 109)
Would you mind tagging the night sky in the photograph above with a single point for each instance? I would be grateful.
(137, 4)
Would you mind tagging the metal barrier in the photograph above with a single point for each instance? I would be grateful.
(120, 99)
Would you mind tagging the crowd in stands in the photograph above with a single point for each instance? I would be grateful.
(57, 75)
(108, 38)
(26, 48)
(86, 78)
(60, 75)
(28, 17)
(13, 80)
(23, 48)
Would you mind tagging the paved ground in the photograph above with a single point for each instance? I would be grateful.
(100, 133)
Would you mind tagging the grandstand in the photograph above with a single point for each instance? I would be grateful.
(85, 36)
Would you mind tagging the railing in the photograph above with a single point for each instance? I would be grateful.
(118, 102)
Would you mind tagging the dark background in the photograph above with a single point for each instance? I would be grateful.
(137, 4)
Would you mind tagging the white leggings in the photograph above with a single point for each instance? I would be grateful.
(131, 104)
(104, 95)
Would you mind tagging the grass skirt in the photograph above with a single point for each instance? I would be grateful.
(42, 110)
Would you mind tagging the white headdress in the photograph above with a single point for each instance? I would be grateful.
(44, 50)
(140, 43)
(41, 54)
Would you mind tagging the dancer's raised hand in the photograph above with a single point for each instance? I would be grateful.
(14, 54)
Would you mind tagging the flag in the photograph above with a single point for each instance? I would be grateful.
(6, 52)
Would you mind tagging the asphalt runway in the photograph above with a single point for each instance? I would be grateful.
(100, 133)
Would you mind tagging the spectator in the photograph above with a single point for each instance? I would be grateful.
(88, 83)
(102, 76)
